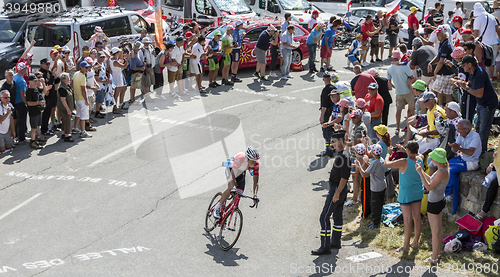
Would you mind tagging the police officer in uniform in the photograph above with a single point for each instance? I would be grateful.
(334, 203)
(326, 111)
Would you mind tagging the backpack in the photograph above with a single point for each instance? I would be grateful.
(488, 53)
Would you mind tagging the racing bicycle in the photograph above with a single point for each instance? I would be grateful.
(231, 218)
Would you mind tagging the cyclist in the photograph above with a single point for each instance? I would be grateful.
(236, 168)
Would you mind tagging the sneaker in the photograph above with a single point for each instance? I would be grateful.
(68, 139)
(322, 69)
(41, 139)
(102, 109)
(48, 133)
(212, 85)
(256, 74)
(75, 131)
(449, 198)
(284, 78)
(217, 211)
(90, 128)
(175, 95)
(349, 203)
(56, 127)
(35, 145)
(228, 83)
(235, 79)
(396, 133)
(161, 97)
(264, 78)
(378, 60)
(372, 61)
(289, 76)
(84, 134)
(217, 84)
(274, 75)
(329, 68)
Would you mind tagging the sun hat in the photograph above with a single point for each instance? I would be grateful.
(458, 52)
(381, 129)
(439, 155)
(356, 113)
(360, 148)
(419, 85)
(454, 107)
(344, 103)
(21, 66)
(376, 149)
(360, 102)
(138, 45)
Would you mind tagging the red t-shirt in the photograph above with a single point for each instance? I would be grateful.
(405, 58)
(412, 19)
(374, 103)
(366, 28)
(362, 83)
(28, 72)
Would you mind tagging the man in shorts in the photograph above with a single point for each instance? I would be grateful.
(81, 100)
(195, 66)
(137, 68)
(227, 48)
(92, 86)
(442, 73)
(367, 31)
(175, 71)
(35, 102)
(149, 61)
(400, 77)
(213, 60)
(6, 122)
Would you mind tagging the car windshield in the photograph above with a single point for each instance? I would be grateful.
(9, 29)
(233, 6)
(294, 4)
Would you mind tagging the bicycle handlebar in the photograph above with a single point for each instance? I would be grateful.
(256, 199)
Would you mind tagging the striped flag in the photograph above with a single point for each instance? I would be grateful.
(158, 25)
(393, 7)
(349, 5)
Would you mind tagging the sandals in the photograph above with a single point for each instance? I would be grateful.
(402, 249)
(414, 246)
(431, 260)
(117, 111)
(99, 115)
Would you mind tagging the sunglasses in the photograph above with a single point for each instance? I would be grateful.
(100, 47)
(66, 53)
(86, 51)
(8, 97)
(29, 59)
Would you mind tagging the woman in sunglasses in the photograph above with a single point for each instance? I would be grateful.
(69, 61)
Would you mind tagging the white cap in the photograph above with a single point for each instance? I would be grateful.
(454, 107)
(238, 23)
(146, 40)
(115, 50)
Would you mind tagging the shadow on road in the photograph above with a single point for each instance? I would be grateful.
(321, 185)
(319, 163)
(325, 265)
(225, 258)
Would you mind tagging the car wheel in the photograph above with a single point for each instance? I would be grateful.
(296, 56)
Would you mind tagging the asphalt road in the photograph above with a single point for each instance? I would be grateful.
(131, 201)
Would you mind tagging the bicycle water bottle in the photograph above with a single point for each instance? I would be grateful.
(227, 163)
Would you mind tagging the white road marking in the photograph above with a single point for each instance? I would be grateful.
(118, 151)
(364, 257)
(19, 206)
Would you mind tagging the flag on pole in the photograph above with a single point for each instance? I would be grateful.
(393, 7)
(111, 3)
(349, 5)
(158, 25)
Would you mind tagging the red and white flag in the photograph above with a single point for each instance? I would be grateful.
(393, 7)
(349, 5)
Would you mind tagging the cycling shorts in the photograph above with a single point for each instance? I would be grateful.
(213, 64)
(240, 180)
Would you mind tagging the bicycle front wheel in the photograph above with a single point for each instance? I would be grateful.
(230, 230)
(210, 220)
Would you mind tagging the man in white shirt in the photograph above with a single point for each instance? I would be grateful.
(6, 122)
(175, 71)
(433, 39)
(485, 29)
(313, 20)
(92, 86)
(195, 67)
(56, 64)
(458, 9)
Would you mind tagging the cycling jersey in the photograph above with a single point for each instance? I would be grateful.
(240, 164)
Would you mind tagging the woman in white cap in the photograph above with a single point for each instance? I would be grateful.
(69, 61)
(118, 62)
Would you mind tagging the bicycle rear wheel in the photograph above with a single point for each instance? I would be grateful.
(210, 220)
(230, 230)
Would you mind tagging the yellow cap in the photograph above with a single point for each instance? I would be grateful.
(358, 35)
(381, 129)
(57, 47)
(413, 9)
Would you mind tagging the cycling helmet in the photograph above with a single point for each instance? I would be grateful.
(335, 77)
(252, 153)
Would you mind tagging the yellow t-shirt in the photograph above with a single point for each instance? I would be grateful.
(430, 118)
(79, 80)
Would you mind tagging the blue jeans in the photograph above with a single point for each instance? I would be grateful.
(312, 54)
(485, 117)
(457, 165)
(287, 61)
(372, 133)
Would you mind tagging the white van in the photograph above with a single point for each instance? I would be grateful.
(74, 28)
(300, 9)
(451, 5)
(206, 12)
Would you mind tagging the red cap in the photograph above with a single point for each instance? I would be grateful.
(315, 12)
(52, 51)
(457, 18)
(467, 31)
(188, 34)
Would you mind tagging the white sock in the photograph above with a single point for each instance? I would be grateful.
(171, 85)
